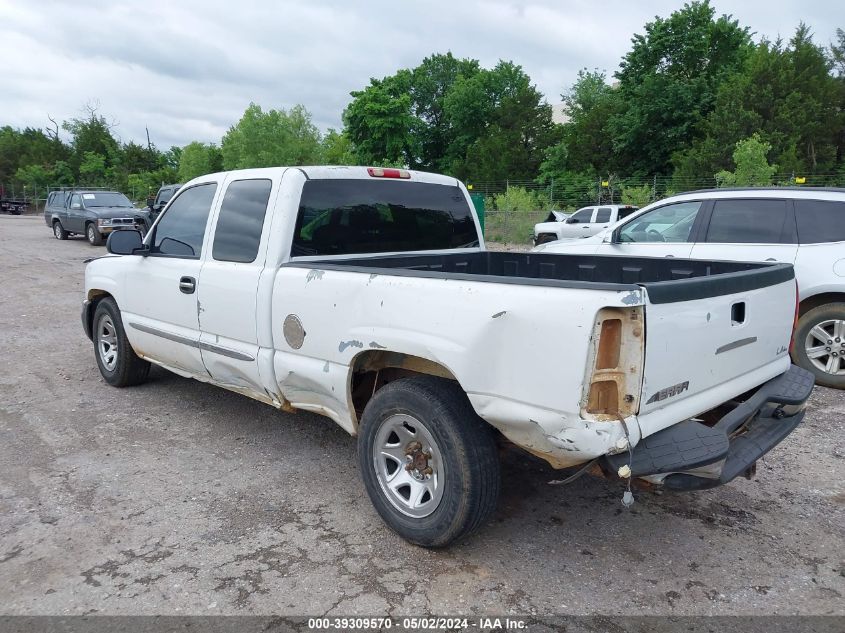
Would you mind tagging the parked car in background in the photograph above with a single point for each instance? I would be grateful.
(14, 205)
(93, 213)
(583, 223)
(156, 203)
(343, 291)
(802, 226)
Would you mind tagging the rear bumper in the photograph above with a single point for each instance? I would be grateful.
(692, 456)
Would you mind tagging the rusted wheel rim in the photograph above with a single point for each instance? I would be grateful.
(409, 465)
(825, 346)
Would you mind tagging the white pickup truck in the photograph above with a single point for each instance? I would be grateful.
(366, 295)
(583, 223)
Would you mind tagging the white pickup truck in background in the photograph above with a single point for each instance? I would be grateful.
(583, 223)
(366, 295)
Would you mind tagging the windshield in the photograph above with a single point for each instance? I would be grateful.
(105, 199)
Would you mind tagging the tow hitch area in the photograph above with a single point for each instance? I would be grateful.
(693, 456)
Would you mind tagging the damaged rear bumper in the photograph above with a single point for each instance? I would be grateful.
(693, 456)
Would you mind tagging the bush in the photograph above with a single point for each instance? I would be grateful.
(637, 196)
(519, 199)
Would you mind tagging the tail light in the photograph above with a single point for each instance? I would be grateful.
(615, 376)
(384, 172)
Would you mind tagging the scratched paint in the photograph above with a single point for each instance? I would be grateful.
(314, 275)
(345, 344)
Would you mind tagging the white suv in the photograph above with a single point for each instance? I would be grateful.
(802, 226)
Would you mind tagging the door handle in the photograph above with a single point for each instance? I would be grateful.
(188, 285)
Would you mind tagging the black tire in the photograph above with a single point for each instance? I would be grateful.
(809, 320)
(128, 369)
(95, 238)
(59, 231)
(470, 468)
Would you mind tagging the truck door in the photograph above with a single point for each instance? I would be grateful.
(160, 310)
(228, 287)
(578, 224)
(73, 215)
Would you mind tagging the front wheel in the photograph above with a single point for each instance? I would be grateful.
(819, 344)
(95, 238)
(429, 463)
(118, 362)
(59, 231)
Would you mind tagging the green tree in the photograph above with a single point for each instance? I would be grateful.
(336, 149)
(92, 170)
(668, 84)
(752, 165)
(272, 138)
(380, 123)
(585, 144)
(786, 94)
(91, 133)
(198, 159)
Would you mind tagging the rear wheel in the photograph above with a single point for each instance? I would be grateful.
(429, 463)
(59, 231)
(118, 362)
(820, 344)
(95, 238)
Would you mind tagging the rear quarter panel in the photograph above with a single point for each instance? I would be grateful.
(518, 351)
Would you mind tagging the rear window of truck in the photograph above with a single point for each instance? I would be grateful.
(342, 217)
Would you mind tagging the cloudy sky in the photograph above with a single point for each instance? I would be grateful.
(188, 69)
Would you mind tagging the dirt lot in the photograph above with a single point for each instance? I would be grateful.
(180, 498)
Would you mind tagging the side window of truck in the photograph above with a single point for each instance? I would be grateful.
(820, 221)
(580, 217)
(603, 215)
(742, 221)
(670, 223)
(181, 230)
(241, 221)
(350, 216)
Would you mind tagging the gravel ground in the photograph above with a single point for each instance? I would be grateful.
(177, 497)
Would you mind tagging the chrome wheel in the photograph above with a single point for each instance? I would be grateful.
(92, 235)
(825, 346)
(408, 465)
(57, 230)
(107, 342)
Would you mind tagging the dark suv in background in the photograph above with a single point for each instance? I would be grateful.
(91, 212)
(157, 203)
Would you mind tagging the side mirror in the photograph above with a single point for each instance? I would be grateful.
(612, 237)
(76, 205)
(126, 242)
(572, 221)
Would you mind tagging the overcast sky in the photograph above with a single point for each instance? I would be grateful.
(188, 69)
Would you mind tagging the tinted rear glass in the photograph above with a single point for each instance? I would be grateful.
(747, 221)
(339, 217)
(820, 221)
(241, 220)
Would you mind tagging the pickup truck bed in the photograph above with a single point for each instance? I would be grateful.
(665, 279)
